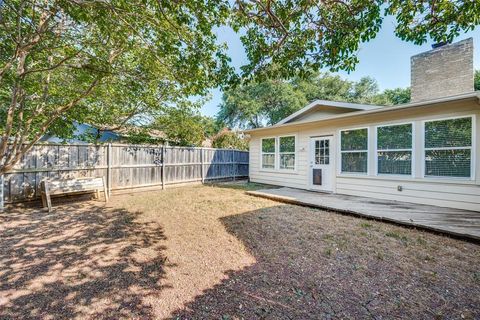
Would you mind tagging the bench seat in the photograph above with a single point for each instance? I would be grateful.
(66, 186)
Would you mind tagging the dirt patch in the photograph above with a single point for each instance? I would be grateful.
(212, 252)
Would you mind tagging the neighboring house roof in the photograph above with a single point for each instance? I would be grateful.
(327, 103)
(84, 129)
(125, 131)
(105, 134)
(467, 96)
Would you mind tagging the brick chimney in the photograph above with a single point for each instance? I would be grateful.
(446, 70)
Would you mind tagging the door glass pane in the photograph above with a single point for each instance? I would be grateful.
(322, 152)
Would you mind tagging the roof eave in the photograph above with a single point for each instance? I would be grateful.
(327, 103)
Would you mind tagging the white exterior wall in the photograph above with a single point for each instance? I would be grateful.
(447, 192)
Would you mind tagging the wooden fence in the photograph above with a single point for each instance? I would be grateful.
(123, 166)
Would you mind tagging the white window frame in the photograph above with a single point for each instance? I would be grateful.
(472, 148)
(280, 153)
(274, 153)
(412, 150)
(340, 152)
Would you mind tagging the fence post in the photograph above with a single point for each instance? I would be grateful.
(234, 166)
(1, 191)
(163, 167)
(201, 164)
(109, 168)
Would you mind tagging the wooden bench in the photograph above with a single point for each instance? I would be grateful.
(64, 186)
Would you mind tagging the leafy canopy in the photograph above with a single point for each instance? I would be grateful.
(228, 139)
(101, 62)
(302, 35)
(183, 125)
(255, 104)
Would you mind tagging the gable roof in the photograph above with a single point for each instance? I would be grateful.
(468, 96)
(327, 103)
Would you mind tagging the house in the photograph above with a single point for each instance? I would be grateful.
(423, 152)
(87, 133)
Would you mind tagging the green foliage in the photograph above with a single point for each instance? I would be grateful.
(393, 97)
(252, 104)
(182, 125)
(108, 63)
(332, 87)
(441, 21)
(306, 35)
(227, 139)
(255, 104)
(477, 80)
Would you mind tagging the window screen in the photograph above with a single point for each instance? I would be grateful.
(394, 149)
(448, 147)
(287, 152)
(354, 150)
(268, 153)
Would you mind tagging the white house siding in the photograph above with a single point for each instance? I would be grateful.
(455, 193)
(281, 178)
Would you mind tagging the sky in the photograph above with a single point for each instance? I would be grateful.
(385, 58)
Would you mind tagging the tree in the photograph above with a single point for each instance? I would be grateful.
(309, 35)
(326, 86)
(100, 61)
(228, 139)
(477, 80)
(393, 96)
(255, 104)
(183, 125)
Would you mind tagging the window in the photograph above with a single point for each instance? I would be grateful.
(287, 152)
(322, 151)
(394, 149)
(448, 147)
(268, 153)
(354, 150)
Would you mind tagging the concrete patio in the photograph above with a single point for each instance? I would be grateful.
(455, 222)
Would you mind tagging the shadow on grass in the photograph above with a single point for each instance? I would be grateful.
(318, 265)
(242, 185)
(80, 261)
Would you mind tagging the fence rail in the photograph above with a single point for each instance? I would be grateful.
(124, 166)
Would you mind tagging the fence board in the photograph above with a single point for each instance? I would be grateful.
(129, 166)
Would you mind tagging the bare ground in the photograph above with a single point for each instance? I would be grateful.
(212, 252)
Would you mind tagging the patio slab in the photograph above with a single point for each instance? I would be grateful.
(450, 221)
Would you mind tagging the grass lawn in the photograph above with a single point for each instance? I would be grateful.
(213, 252)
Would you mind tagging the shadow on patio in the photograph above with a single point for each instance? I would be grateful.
(313, 264)
(81, 260)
